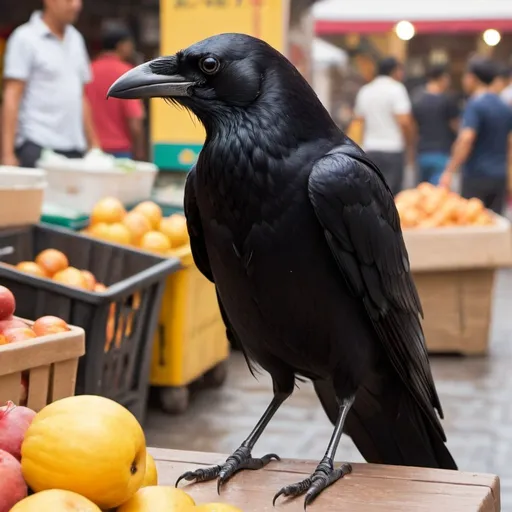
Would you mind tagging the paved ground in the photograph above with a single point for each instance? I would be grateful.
(476, 394)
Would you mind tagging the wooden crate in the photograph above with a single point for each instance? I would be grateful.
(370, 487)
(51, 363)
(457, 308)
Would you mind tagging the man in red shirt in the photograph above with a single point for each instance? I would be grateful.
(119, 123)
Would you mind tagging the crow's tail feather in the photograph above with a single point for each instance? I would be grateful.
(388, 427)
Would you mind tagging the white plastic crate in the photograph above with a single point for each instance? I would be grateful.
(21, 195)
(77, 184)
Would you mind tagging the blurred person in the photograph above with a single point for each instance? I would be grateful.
(120, 124)
(44, 105)
(436, 114)
(483, 144)
(383, 108)
(506, 94)
(501, 81)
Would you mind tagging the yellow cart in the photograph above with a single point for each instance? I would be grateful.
(190, 344)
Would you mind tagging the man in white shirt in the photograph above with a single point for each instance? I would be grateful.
(46, 68)
(384, 109)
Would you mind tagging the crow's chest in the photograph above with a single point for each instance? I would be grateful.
(244, 198)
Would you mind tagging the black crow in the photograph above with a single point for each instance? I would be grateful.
(299, 232)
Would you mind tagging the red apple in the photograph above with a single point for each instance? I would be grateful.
(12, 485)
(11, 323)
(19, 334)
(14, 422)
(7, 303)
(49, 325)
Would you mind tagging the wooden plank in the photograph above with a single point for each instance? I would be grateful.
(38, 384)
(10, 388)
(16, 357)
(369, 487)
(64, 379)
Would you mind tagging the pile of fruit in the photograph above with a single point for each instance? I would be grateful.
(144, 227)
(54, 264)
(14, 330)
(84, 453)
(428, 206)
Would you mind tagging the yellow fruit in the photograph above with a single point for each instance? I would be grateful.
(138, 225)
(151, 476)
(216, 507)
(155, 241)
(151, 211)
(55, 500)
(159, 499)
(52, 261)
(71, 276)
(108, 210)
(100, 230)
(86, 444)
(175, 227)
(119, 234)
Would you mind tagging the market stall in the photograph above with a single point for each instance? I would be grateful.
(455, 248)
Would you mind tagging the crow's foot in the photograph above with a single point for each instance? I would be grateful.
(324, 476)
(241, 459)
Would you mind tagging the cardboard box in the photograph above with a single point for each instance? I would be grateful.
(21, 195)
(51, 363)
(465, 247)
(454, 270)
(457, 307)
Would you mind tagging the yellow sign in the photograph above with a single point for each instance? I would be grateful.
(176, 136)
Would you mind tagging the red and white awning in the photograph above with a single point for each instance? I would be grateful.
(367, 16)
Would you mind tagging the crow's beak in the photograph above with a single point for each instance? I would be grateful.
(143, 82)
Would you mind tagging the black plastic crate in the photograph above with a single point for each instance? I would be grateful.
(118, 351)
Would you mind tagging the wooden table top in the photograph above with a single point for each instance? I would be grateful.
(369, 487)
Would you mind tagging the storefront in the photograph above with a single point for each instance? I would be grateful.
(418, 32)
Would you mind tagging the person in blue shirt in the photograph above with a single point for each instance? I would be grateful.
(483, 144)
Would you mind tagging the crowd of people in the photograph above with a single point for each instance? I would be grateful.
(55, 98)
(432, 131)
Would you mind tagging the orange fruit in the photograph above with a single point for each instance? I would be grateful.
(155, 241)
(29, 267)
(108, 210)
(90, 280)
(151, 211)
(99, 230)
(99, 287)
(158, 499)
(52, 261)
(118, 233)
(49, 325)
(138, 224)
(175, 227)
(71, 276)
(151, 475)
(89, 436)
(55, 499)
(19, 334)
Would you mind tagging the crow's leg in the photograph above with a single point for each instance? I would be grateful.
(325, 474)
(242, 457)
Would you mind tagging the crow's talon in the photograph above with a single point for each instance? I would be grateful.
(241, 459)
(324, 476)
(200, 475)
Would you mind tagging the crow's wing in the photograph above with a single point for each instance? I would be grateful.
(195, 228)
(357, 213)
(200, 254)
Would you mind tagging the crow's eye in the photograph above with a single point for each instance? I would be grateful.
(209, 65)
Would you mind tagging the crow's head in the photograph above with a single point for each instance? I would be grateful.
(218, 78)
